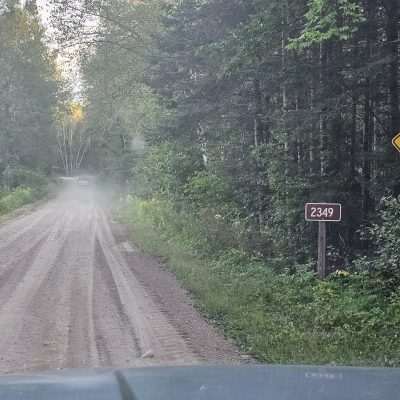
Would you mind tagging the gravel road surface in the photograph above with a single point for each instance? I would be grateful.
(74, 293)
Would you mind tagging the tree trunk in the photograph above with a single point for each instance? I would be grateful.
(392, 32)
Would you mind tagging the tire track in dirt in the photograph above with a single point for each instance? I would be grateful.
(16, 307)
(13, 272)
(21, 229)
(16, 260)
(119, 345)
(57, 325)
(156, 337)
(47, 340)
(204, 340)
(80, 350)
(70, 296)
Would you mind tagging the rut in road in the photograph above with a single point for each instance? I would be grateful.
(71, 298)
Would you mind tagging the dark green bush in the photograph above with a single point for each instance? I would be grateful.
(15, 199)
(384, 263)
(20, 187)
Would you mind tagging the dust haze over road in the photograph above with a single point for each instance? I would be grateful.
(75, 294)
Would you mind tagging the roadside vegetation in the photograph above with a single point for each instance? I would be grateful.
(41, 130)
(22, 187)
(277, 312)
(10, 201)
(29, 91)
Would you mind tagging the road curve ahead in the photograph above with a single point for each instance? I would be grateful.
(73, 294)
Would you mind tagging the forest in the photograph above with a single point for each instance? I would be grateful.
(219, 120)
(248, 112)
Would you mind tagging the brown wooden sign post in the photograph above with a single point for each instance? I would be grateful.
(322, 249)
(323, 213)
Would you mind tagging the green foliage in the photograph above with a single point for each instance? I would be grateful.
(238, 126)
(205, 232)
(279, 318)
(21, 186)
(166, 169)
(384, 263)
(10, 201)
(328, 20)
(206, 190)
(121, 108)
(28, 90)
(27, 178)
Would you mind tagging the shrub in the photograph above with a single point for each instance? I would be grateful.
(206, 190)
(165, 170)
(384, 263)
(16, 199)
(24, 177)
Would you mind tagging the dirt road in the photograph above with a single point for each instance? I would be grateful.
(74, 293)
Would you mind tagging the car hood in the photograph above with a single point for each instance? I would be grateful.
(208, 383)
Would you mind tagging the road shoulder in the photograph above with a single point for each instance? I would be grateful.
(161, 284)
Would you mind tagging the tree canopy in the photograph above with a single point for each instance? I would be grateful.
(28, 89)
(285, 102)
